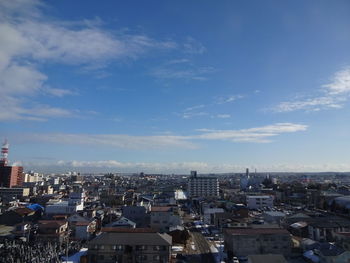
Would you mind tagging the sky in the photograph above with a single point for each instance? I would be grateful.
(173, 86)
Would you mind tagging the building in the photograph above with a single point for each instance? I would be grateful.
(9, 175)
(164, 217)
(203, 186)
(275, 258)
(136, 214)
(17, 215)
(259, 201)
(130, 245)
(273, 216)
(74, 204)
(122, 222)
(52, 230)
(209, 214)
(325, 228)
(252, 241)
(82, 227)
(62, 208)
(11, 193)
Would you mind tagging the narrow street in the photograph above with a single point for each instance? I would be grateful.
(202, 247)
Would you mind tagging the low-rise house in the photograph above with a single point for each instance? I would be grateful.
(82, 227)
(209, 214)
(329, 253)
(22, 230)
(17, 215)
(52, 230)
(259, 201)
(136, 214)
(164, 217)
(251, 241)
(130, 245)
(343, 240)
(275, 258)
(325, 228)
(273, 216)
(122, 222)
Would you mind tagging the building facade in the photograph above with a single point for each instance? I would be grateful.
(11, 176)
(164, 217)
(259, 201)
(252, 241)
(203, 186)
(132, 245)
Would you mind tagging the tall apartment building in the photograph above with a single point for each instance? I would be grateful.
(11, 176)
(200, 186)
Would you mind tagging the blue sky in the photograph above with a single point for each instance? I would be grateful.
(174, 86)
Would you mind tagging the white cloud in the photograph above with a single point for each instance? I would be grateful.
(223, 116)
(192, 46)
(340, 83)
(228, 99)
(29, 38)
(190, 114)
(257, 135)
(114, 140)
(187, 72)
(253, 135)
(311, 104)
(334, 95)
(175, 167)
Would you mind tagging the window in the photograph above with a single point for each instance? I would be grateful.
(139, 247)
(141, 258)
(118, 247)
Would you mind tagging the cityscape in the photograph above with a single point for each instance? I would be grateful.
(116, 217)
(174, 131)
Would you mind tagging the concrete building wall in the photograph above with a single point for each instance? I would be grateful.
(258, 202)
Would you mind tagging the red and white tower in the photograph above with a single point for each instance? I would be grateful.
(4, 153)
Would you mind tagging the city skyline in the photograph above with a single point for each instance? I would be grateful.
(170, 86)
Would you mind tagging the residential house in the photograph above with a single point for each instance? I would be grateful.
(251, 241)
(130, 245)
(164, 217)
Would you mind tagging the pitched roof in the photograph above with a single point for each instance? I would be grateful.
(275, 258)
(51, 223)
(110, 238)
(23, 211)
(256, 231)
(161, 209)
(128, 230)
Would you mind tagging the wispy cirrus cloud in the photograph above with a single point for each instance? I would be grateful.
(258, 135)
(181, 71)
(223, 116)
(200, 110)
(193, 46)
(228, 98)
(261, 134)
(332, 96)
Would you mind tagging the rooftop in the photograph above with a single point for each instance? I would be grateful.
(256, 231)
(132, 238)
(161, 209)
(275, 258)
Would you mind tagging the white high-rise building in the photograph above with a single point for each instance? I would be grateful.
(202, 186)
